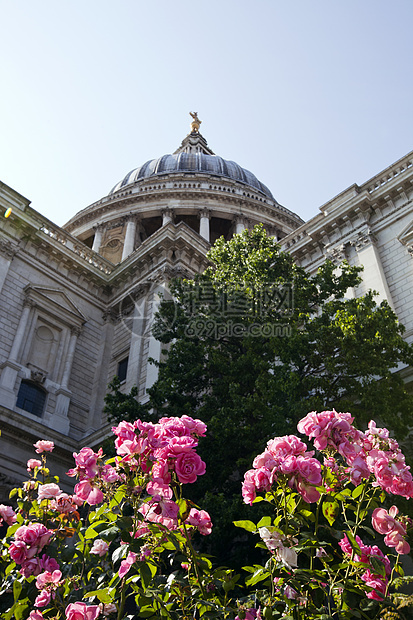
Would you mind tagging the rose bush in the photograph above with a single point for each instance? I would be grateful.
(319, 565)
(114, 547)
(121, 545)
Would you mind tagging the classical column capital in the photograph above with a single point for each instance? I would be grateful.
(362, 240)
(7, 248)
(337, 254)
(75, 330)
(28, 302)
(204, 213)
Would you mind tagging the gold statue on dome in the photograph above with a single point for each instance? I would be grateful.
(196, 122)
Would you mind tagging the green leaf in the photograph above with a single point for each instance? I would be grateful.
(146, 575)
(246, 525)
(357, 491)
(330, 510)
(17, 588)
(259, 575)
(378, 565)
(353, 543)
(264, 522)
(102, 595)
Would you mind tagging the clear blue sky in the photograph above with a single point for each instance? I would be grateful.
(310, 95)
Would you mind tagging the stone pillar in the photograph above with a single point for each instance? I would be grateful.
(240, 224)
(365, 245)
(129, 243)
(7, 251)
(167, 216)
(204, 217)
(100, 381)
(337, 255)
(11, 367)
(138, 326)
(155, 347)
(97, 241)
(75, 332)
(59, 420)
(28, 304)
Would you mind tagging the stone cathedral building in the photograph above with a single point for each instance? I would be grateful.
(76, 302)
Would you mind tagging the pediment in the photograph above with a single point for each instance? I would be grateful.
(406, 236)
(56, 299)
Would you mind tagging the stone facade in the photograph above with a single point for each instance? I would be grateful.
(76, 302)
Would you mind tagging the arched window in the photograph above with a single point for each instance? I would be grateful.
(31, 398)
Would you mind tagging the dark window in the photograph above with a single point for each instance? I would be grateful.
(31, 398)
(123, 369)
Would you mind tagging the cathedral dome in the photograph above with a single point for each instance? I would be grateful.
(192, 188)
(192, 162)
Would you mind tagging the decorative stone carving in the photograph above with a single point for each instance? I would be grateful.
(7, 248)
(37, 375)
(337, 254)
(362, 240)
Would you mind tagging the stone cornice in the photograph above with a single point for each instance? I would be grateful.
(188, 187)
(342, 219)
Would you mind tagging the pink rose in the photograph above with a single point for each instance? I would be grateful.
(201, 519)
(109, 474)
(88, 492)
(188, 466)
(45, 579)
(7, 514)
(31, 567)
(35, 534)
(280, 447)
(43, 599)
(263, 479)
(194, 426)
(43, 446)
(176, 445)
(33, 463)
(289, 464)
(376, 582)
(100, 547)
(48, 564)
(125, 565)
(382, 522)
(307, 492)
(266, 459)
(159, 489)
(309, 469)
(86, 462)
(81, 611)
(36, 615)
(48, 491)
(18, 552)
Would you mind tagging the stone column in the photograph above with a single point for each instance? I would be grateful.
(11, 367)
(337, 255)
(129, 243)
(365, 245)
(59, 420)
(204, 217)
(138, 326)
(167, 216)
(240, 224)
(7, 251)
(100, 381)
(28, 304)
(97, 241)
(75, 332)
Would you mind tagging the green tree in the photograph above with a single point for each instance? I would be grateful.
(298, 345)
